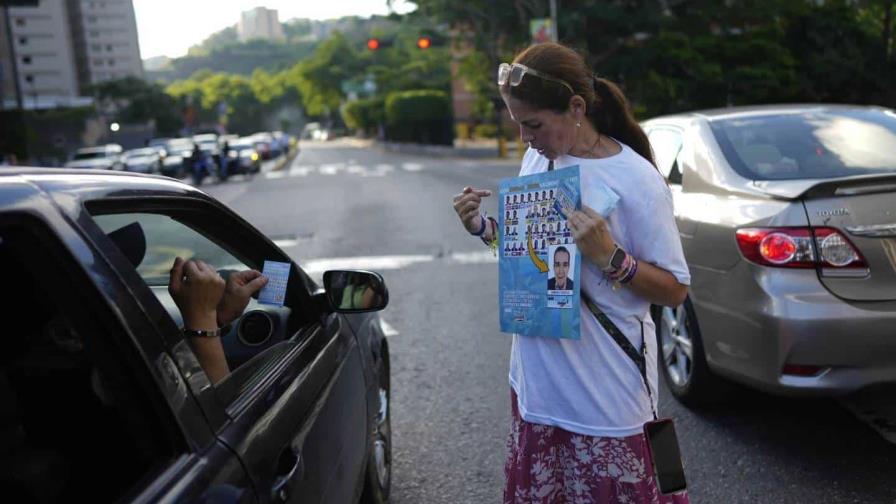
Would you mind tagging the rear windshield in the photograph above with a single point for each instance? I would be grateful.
(809, 144)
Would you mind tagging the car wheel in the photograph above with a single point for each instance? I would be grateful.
(379, 464)
(682, 357)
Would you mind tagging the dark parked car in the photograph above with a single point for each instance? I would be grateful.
(103, 398)
(787, 216)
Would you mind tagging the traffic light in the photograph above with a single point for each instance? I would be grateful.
(373, 44)
(424, 42)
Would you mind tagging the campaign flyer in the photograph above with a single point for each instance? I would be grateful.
(539, 264)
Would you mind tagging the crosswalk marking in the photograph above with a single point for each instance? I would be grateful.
(350, 168)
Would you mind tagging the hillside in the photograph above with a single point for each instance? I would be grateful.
(223, 52)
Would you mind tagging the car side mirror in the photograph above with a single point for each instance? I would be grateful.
(355, 291)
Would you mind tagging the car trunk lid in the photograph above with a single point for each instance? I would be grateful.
(863, 209)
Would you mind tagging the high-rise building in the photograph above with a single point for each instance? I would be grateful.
(105, 39)
(260, 23)
(44, 56)
(61, 47)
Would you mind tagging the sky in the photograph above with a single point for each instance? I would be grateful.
(170, 27)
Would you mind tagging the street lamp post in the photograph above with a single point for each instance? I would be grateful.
(554, 30)
(12, 53)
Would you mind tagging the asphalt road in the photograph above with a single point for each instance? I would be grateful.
(343, 205)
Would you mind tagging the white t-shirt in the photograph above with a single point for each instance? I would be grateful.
(590, 386)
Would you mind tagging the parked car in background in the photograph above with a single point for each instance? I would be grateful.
(280, 141)
(787, 216)
(105, 157)
(145, 160)
(103, 398)
(212, 152)
(205, 137)
(177, 155)
(159, 143)
(242, 158)
(264, 144)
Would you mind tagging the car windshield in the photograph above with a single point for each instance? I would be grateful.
(809, 144)
(90, 155)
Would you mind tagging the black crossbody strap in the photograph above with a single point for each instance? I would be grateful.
(639, 358)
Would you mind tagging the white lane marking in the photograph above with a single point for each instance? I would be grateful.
(355, 169)
(478, 257)
(331, 169)
(411, 167)
(374, 263)
(300, 171)
(391, 262)
(286, 243)
(388, 330)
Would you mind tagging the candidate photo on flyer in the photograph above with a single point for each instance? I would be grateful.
(562, 268)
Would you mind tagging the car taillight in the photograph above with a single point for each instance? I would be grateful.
(798, 248)
(836, 250)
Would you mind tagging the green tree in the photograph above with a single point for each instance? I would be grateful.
(139, 101)
(320, 76)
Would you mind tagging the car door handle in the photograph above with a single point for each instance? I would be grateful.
(280, 491)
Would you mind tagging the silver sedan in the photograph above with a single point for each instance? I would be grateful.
(787, 215)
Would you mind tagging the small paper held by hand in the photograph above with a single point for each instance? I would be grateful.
(275, 291)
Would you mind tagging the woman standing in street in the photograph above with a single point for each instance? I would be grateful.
(579, 406)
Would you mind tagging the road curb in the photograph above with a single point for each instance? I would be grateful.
(285, 160)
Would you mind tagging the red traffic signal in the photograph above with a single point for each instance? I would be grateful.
(424, 42)
(373, 44)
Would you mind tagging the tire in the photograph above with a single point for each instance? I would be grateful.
(378, 481)
(682, 358)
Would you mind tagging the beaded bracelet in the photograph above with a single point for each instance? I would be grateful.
(631, 273)
(493, 243)
(623, 270)
(481, 229)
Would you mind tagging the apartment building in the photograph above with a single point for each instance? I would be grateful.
(260, 23)
(61, 47)
(105, 38)
(44, 56)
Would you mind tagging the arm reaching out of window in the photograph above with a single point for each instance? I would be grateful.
(197, 289)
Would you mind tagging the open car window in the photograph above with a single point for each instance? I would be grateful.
(165, 239)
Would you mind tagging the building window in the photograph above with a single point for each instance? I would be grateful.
(20, 21)
(111, 62)
(23, 40)
(26, 60)
(98, 62)
(109, 48)
(94, 34)
(91, 19)
(29, 79)
(96, 47)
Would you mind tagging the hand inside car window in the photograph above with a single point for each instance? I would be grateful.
(207, 302)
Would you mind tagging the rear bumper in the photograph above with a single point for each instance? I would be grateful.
(776, 316)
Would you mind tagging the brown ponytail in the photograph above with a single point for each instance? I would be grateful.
(608, 109)
(611, 116)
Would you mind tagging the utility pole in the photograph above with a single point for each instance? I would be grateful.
(12, 58)
(555, 35)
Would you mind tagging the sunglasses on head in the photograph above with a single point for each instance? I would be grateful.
(513, 74)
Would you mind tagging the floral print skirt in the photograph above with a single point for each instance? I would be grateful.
(548, 465)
